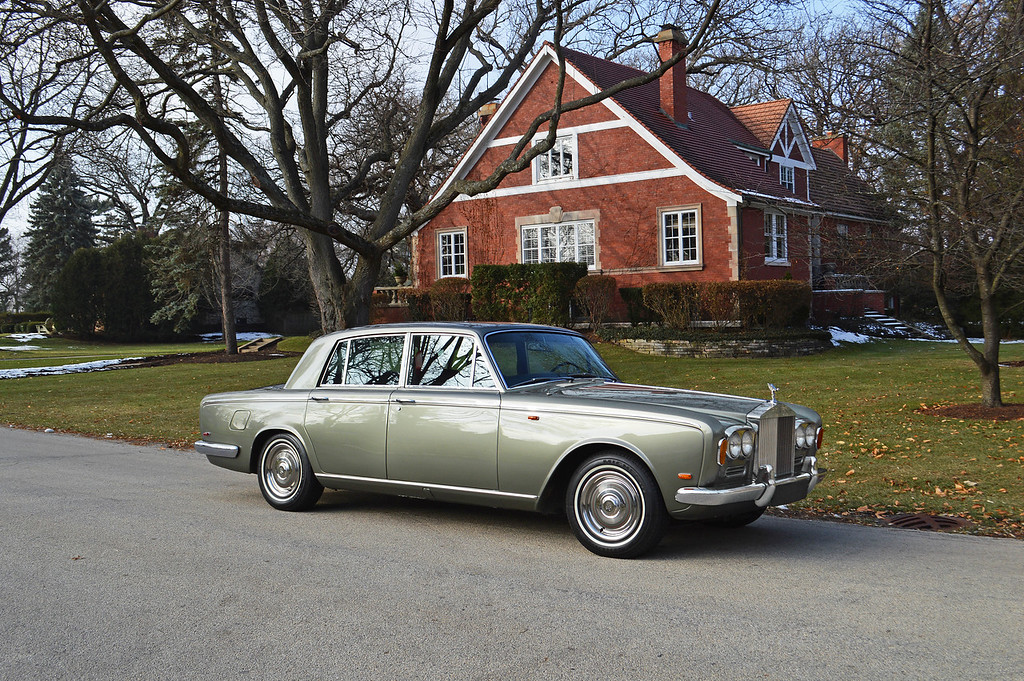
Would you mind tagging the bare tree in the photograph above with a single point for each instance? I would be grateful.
(307, 68)
(947, 122)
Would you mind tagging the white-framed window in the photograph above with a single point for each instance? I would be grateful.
(787, 177)
(451, 254)
(775, 239)
(564, 242)
(680, 237)
(558, 163)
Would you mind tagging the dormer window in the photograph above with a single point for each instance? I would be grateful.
(787, 177)
(559, 163)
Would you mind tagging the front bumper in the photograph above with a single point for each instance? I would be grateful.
(761, 492)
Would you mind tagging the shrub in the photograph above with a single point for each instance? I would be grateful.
(676, 304)
(636, 311)
(595, 293)
(538, 293)
(450, 299)
(774, 304)
(417, 301)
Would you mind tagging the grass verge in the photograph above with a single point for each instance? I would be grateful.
(886, 453)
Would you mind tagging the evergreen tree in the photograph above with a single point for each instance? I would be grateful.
(8, 269)
(60, 222)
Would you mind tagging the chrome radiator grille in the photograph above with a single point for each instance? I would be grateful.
(775, 440)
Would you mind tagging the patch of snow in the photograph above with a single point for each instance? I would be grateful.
(22, 337)
(840, 336)
(242, 337)
(16, 348)
(974, 341)
(82, 367)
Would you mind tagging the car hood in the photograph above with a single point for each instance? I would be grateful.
(722, 407)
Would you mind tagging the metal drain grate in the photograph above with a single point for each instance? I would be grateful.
(923, 521)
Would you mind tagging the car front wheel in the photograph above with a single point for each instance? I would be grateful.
(286, 478)
(614, 506)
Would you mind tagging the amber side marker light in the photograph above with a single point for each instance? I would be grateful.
(533, 418)
(685, 476)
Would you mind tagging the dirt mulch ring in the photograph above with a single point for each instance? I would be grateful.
(205, 358)
(975, 412)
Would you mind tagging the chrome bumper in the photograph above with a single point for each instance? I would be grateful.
(214, 449)
(760, 492)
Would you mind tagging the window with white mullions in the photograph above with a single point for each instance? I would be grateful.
(775, 238)
(787, 177)
(559, 162)
(452, 249)
(565, 242)
(680, 237)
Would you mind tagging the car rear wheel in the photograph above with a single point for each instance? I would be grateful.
(286, 478)
(615, 507)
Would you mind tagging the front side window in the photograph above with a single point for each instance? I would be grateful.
(374, 361)
(680, 237)
(787, 178)
(559, 162)
(532, 356)
(566, 242)
(775, 246)
(452, 249)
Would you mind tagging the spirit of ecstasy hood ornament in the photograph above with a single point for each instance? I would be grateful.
(773, 390)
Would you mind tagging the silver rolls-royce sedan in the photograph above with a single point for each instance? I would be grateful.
(515, 416)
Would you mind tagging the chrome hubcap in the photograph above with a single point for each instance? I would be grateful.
(609, 506)
(281, 470)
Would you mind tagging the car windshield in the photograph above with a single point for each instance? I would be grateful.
(534, 356)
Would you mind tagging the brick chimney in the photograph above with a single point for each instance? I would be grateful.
(673, 84)
(833, 142)
(485, 112)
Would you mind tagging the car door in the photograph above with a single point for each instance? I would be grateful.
(443, 423)
(347, 413)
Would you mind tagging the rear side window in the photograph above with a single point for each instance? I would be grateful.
(441, 361)
(374, 361)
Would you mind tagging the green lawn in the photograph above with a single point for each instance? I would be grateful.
(885, 452)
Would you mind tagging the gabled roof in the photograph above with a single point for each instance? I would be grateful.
(716, 145)
(763, 119)
(711, 140)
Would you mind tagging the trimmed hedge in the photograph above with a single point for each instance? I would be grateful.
(538, 293)
(450, 299)
(773, 304)
(21, 322)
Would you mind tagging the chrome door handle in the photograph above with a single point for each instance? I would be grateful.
(318, 398)
(405, 401)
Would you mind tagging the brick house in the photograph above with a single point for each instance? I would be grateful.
(660, 182)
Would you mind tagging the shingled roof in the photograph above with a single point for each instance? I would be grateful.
(763, 119)
(712, 140)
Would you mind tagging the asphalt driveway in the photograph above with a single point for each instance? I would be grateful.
(128, 562)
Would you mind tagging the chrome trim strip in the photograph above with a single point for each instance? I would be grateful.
(427, 485)
(215, 449)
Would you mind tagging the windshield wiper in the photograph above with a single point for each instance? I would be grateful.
(536, 379)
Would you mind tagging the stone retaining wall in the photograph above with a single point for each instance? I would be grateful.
(727, 348)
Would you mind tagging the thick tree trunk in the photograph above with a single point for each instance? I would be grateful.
(227, 303)
(327, 278)
(359, 301)
(991, 391)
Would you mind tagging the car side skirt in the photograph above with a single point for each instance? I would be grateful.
(421, 490)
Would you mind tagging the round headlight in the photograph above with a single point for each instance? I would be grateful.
(736, 445)
(748, 443)
(801, 435)
(806, 435)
